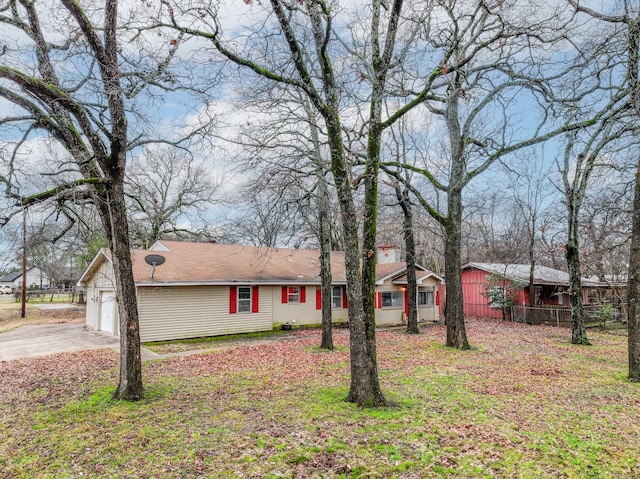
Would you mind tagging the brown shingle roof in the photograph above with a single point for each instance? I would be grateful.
(213, 263)
(219, 263)
(385, 269)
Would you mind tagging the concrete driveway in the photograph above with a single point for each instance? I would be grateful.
(42, 340)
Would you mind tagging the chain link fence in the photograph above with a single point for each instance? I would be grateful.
(604, 315)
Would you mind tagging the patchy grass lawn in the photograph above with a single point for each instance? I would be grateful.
(10, 316)
(191, 344)
(523, 404)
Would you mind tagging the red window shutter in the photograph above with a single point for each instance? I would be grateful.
(233, 300)
(285, 292)
(318, 297)
(344, 297)
(255, 301)
(406, 301)
(303, 294)
(437, 298)
(378, 300)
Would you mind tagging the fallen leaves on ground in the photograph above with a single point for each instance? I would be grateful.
(523, 402)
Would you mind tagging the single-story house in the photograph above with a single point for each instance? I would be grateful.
(187, 290)
(64, 279)
(36, 279)
(551, 287)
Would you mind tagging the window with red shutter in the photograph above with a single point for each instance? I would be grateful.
(293, 294)
(244, 299)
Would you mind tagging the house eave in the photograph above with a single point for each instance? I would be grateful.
(401, 271)
(156, 284)
(95, 263)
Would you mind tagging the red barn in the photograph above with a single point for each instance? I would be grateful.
(551, 287)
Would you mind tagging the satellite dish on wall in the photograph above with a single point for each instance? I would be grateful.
(154, 260)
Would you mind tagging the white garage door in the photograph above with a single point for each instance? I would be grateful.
(107, 310)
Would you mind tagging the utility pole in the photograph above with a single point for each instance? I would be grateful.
(23, 312)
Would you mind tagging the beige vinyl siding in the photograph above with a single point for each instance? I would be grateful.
(178, 312)
(428, 313)
(338, 315)
(304, 314)
(103, 277)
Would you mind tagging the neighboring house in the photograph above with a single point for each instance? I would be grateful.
(208, 289)
(36, 279)
(63, 279)
(551, 286)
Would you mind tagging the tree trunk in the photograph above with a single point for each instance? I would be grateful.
(633, 287)
(410, 245)
(130, 383)
(364, 389)
(369, 256)
(578, 330)
(324, 232)
(454, 305)
(326, 341)
(532, 269)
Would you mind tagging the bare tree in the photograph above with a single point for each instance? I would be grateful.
(605, 227)
(532, 196)
(399, 149)
(483, 58)
(307, 64)
(66, 77)
(625, 25)
(168, 191)
(576, 176)
(402, 195)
